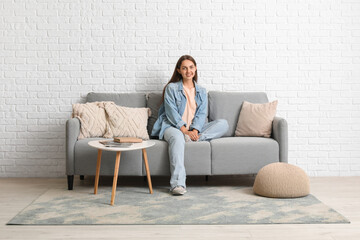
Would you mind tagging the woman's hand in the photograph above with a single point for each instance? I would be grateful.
(193, 134)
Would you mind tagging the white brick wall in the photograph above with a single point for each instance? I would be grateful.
(306, 54)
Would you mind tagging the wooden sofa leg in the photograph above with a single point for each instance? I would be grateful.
(81, 177)
(70, 181)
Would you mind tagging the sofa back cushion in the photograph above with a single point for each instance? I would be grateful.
(137, 100)
(227, 105)
(153, 102)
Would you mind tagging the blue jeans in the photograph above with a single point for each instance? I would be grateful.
(175, 139)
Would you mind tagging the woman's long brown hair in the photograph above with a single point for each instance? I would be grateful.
(176, 75)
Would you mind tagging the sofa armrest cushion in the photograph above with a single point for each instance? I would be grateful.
(72, 133)
(280, 134)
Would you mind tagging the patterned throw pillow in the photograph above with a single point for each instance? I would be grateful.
(126, 121)
(92, 117)
(255, 120)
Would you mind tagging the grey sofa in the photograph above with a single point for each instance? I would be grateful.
(228, 155)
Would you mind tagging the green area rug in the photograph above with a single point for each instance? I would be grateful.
(201, 205)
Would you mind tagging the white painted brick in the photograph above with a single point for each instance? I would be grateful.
(37, 101)
(37, 115)
(15, 101)
(80, 74)
(318, 167)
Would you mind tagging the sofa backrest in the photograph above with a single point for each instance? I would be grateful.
(221, 105)
(122, 99)
(227, 105)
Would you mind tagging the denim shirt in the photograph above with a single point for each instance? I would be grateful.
(173, 107)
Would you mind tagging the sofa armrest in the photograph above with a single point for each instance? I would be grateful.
(72, 133)
(280, 134)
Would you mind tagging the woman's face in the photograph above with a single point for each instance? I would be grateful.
(187, 70)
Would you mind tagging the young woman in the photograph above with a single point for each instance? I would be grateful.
(181, 119)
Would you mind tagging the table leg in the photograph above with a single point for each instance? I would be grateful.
(116, 172)
(97, 171)
(147, 170)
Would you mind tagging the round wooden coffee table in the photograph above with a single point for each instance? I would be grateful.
(135, 146)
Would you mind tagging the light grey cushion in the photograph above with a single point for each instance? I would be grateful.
(153, 102)
(86, 158)
(227, 105)
(121, 99)
(242, 155)
(197, 158)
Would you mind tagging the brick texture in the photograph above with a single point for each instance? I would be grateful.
(305, 53)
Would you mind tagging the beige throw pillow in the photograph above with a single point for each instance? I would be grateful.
(127, 122)
(92, 117)
(255, 120)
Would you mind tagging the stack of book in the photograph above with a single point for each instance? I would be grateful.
(127, 140)
(121, 142)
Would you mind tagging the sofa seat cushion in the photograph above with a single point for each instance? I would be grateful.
(86, 158)
(197, 158)
(242, 155)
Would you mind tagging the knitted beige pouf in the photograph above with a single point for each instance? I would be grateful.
(281, 180)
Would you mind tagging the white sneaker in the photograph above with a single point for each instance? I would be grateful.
(178, 190)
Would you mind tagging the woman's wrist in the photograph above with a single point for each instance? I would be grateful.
(183, 129)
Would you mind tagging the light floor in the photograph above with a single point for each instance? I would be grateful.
(340, 193)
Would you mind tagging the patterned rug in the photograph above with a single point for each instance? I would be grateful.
(201, 205)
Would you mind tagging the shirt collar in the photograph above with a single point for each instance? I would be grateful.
(180, 86)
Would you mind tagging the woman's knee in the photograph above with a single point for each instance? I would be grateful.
(174, 135)
(224, 124)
